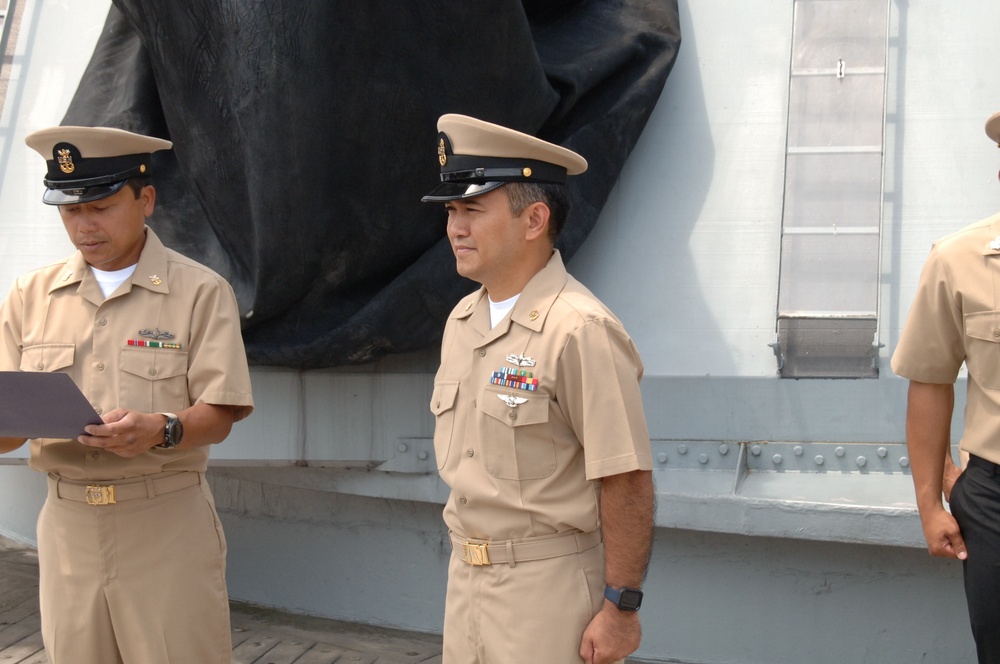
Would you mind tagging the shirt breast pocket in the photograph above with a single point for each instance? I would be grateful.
(516, 439)
(443, 407)
(154, 380)
(47, 357)
(983, 348)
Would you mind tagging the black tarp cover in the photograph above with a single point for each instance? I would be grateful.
(304, 136)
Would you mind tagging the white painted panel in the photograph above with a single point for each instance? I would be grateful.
(686, 251)
(273, 432)
(54, 44)
(941, 168)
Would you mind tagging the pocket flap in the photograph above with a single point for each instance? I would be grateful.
(515, 407)
(444, 396)
(983, 325)
(153, 364)
(47, 357)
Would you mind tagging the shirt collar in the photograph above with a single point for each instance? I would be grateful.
(536, 299)
(150, 271)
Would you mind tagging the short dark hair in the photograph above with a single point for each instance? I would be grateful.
(522, 194)
(137, 185)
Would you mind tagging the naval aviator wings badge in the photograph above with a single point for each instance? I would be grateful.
(511, 400)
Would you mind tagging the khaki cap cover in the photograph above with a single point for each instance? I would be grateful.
(90, 163)
(478, 156)
(473, 137)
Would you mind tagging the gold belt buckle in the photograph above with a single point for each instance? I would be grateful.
(100, 495)
(476, 554)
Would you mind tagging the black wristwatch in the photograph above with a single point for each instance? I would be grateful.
(173, 432)
(626, 599)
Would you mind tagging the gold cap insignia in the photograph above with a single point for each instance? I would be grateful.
(65, 158)
(442, 153)
(526, 172)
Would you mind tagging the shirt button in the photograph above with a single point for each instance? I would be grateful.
(100, 366)
(152, 372)
(512, 416)
(99, 410)
(482, 352)
(470, 453)
(95, 455)
(463, 500)
(40, 366)
(102, 322)
(473, 403)
(996, 333)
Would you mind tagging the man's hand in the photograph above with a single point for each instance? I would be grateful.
(612, 635)
(944, 539)
(127, 433)
(948, 478)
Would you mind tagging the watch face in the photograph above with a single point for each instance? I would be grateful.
(630, 600)
(173, 433)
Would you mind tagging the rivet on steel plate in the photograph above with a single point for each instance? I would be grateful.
(423, 455)
(882, 452)
(776, 459)
(819, 459)
(755, 450)
(682, 449)
(904, 461)
(861, 461)
(661, 457)
(798, 450)
(840, 451)
(702, 458)
(402, 447)
(724, 449)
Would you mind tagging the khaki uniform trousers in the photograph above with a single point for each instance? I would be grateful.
(529, 612)
(141, 581)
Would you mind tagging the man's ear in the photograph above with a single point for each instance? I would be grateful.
(148, 197)
(538, 214)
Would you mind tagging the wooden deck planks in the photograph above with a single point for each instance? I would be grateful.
(260, 636)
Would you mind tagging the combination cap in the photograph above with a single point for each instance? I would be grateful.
(90, 163)
(477, 157)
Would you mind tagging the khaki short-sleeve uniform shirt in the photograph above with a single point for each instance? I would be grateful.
(531, 414)
(955, 318)
(57, 319)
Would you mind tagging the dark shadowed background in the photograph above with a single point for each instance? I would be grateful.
(305, 134)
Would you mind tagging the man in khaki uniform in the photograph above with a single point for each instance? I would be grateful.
(131, 551)
(540, 431)
(955, 318)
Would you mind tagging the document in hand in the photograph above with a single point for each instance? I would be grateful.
(35, 404)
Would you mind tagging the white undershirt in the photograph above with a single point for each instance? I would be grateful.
(110, 281)
(500, 309)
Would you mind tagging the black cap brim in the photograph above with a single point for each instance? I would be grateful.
(453, 191)
(85, 195)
